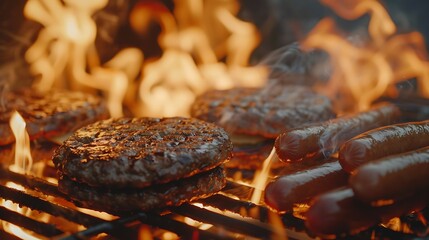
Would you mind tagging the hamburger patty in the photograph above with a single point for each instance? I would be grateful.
(157, 196)
(53, 114)
(264, 112)
(138, 152)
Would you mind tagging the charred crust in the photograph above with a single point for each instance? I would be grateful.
(159, 196)
(261, 112)
(52, 114)
(138, 152)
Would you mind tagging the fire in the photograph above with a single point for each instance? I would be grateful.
(261, 178)
(23, 160)
(64, 54)
(363, 73)
(190, 63)
(23, 164)
(65, 48)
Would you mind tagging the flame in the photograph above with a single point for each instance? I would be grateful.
(23, 164)
(260, 180)
(191, 60)
(364, 73)
(64, 54)
(65, 48)
(23, 160)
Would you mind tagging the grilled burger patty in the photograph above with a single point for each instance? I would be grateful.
(264, 112)
(53, 114)
(138, 152)
(157, 196)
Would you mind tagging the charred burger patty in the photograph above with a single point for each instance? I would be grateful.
(143, 157)
(262, 112)
(256, 116)
(52, 114)
(157, 196)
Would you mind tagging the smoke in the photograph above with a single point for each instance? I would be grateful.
(6, 74)
(292, 65)
(14, 71)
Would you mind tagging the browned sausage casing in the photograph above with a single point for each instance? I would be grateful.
(339, 212)
(393, 177)
(300, 187)
(382, 142)
(326, 137)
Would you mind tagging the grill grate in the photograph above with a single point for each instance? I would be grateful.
(94, 225)
(238, 219)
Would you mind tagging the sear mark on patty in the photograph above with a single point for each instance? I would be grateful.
(138, 152)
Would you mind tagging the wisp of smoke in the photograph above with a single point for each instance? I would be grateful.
(293, 65)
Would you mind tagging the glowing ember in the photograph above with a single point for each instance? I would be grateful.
(169, 236)
(200, 225)
(145, 233)
(277, 223)
(364, 73)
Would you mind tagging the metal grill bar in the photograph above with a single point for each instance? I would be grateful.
(31, 182)
(226, 203)
(182, 229)
(94, 224)
(36, 203)
(105, 227)
(249, 228)
(28, 223)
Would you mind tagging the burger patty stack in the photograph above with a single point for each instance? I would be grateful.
(130, 164)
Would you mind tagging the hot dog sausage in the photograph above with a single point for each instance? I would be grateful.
(383, 142)
(326, 137)
(392, 178)
(300, 187)
(339, 212)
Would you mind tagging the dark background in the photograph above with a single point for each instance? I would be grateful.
(280, 22)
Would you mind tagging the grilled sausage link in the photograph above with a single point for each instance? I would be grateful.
(382, 142)
(326, 137)
(300, 187)
(341, 212)
(392, 178)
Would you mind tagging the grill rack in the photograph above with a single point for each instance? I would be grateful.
(231, 225)
(226, 226)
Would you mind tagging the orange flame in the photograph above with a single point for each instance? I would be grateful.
(260, 180)
(190, 63)
(64, 54)
(23, 164)
(23, 160)
(64, 49)
(364, 73)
